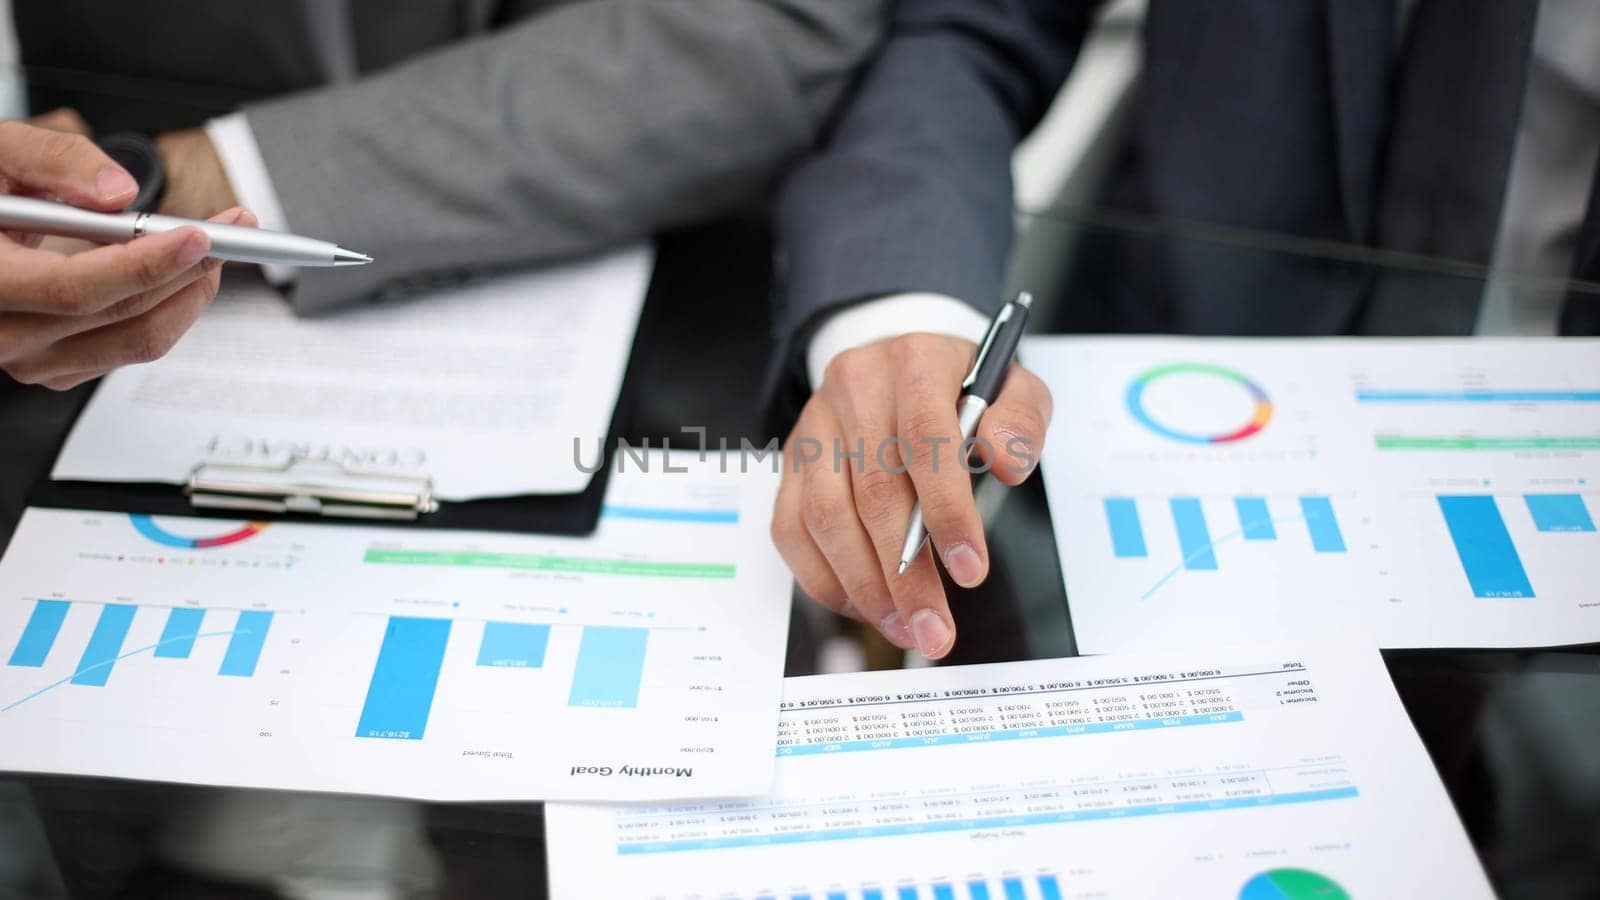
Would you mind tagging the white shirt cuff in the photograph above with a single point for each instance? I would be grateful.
(891, 316)
(247, 172)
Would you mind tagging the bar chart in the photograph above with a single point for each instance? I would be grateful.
(608, 672)
(244, 631)
(1041, 886)
(1494, 565)
(1306, 523)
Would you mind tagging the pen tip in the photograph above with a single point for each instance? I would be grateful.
(343, 257)
(1024, 299)
(903, 564)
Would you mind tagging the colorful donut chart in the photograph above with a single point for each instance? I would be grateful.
(147, 526)
(1258, 420)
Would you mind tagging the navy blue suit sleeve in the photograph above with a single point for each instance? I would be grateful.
(912, 191)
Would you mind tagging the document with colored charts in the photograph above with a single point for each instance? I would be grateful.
(1426, 493)
(644, 662)
(1283, 772)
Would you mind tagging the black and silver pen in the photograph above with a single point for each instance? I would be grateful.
(978, 390)
(229, 242)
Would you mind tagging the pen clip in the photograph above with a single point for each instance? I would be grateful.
(983, 349)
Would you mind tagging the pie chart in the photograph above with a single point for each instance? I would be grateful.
(1292, 884)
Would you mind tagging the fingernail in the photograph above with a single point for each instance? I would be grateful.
(931, 633)
(894, 628)
(115, 184)
(193, 250)
(963, 564)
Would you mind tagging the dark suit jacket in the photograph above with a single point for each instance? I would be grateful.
(1271, 115)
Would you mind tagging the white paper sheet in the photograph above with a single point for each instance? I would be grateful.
(1272, 773)
(644, 662)
(1428, 493)
(484, 388)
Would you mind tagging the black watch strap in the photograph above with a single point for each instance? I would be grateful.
(138, 154)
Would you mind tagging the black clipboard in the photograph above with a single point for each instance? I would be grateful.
(558, 514)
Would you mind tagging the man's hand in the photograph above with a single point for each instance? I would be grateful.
(197, 184)
(65, 319)
(840, 521)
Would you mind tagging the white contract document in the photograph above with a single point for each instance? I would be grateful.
(1422, 493)
(484, 388)
(1286, 772)
(644, 662)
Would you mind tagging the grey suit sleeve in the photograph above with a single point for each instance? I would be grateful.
(590, 125)
(913, 191)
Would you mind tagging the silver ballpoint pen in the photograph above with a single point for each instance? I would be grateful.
(229, 242)
(978, 390)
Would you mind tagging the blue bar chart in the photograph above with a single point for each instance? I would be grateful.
(1488, 554)
(108, 646)
(608, 672)
(1010, 887)
(1252, 520)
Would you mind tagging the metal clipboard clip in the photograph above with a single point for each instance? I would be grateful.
(317, 487)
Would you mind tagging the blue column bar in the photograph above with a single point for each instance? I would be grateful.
(610, 667)
(244, 648)
(907, 893)
(1324, 528)
(1559, 512)
(943, 892)
(871, 894)
(44, 623)
(1194, 539)
(1013, 888)
(836, 895)
(404, 679)
(177, 639)
(1487, 554)
(105, 644)
(1049, 889)
(1254, 519)
(513, 645)
(978, 890)
(1127, 537)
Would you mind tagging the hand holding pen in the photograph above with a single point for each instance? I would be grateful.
(880, 440)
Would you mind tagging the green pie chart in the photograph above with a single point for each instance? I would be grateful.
(1292, 884)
